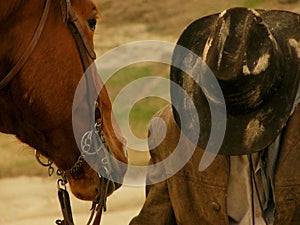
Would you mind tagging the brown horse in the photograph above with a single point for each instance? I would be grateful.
(36, 103)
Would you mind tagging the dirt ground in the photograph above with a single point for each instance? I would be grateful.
(33, 200)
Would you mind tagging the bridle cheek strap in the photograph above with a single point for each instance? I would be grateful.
(87, 54)
(89, 48)
(82, 41)
(65, 6)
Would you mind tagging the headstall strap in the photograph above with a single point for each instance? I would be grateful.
(65, 7)
(78, 32)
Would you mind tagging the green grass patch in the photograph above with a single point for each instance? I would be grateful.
(142, 111)
(141, 114)
(252, 3)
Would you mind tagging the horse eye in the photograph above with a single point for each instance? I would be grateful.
(92, 24)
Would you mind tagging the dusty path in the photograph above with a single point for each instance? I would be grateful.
(33, 201)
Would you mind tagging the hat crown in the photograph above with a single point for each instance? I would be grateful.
(257, 65)
(245, 58)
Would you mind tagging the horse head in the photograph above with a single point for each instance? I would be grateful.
(36, 102)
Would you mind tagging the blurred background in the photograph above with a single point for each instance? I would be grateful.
(27, 195)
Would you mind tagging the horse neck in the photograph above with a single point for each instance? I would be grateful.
(8, 113)
(18, 34)
(9, 7)
(12, 46)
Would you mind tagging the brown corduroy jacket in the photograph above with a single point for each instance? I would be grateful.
(191, 197)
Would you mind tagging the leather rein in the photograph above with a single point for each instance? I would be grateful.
(86, 51)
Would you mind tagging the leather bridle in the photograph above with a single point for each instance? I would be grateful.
(87, 54)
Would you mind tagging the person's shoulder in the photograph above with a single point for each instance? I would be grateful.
(164, 112)
(163, 130)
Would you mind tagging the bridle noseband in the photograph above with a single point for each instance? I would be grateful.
(87, 55)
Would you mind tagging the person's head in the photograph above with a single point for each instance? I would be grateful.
(255, 55)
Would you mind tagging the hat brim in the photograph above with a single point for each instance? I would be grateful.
(253, 131)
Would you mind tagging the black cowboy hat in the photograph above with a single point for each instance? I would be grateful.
(255, 56)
